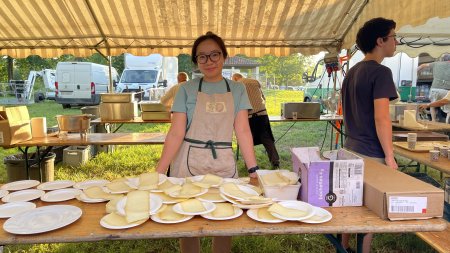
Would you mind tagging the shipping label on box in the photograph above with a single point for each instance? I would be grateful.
(329, 183)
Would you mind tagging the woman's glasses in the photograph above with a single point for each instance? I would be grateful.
(203, 58)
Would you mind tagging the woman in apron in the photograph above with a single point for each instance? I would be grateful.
(205, 113)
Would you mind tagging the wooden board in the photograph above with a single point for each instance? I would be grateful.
(443, 164)
(421, 146)
(440, 241)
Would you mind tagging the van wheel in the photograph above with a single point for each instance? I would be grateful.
(39, 97)
(66, 106)
(306, 99)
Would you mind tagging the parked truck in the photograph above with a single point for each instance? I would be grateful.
(403, 67)
(81, 83)
(151, 74)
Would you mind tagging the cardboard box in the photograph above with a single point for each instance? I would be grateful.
(288, 192)
(394, 195)
(76, 155)
(14, 125)
(335, 182)
(304, 110)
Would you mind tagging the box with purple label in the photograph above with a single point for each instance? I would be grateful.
(333, 181)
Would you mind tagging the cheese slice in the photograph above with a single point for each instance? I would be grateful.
(286, 211)
(264, 214)
(118, 186)
(148, 181)
(169, 215)
(167, 198)
(255, 200)
(137, 206)
(202, 185)
(96, 192)
(111, 205)
(274, 179)
(172, 189)
(167, 184)
(223, 210)
(122, 179)
(189, 190)
(116, 220)
(211, 179)
(192, 206)
(233, 190)
(213, 194)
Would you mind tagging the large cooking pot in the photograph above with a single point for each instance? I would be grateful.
(74, 123)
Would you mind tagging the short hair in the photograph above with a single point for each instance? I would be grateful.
(208, 36)
(445, 57)
(237, 76)
(182, 77)
(367, 36)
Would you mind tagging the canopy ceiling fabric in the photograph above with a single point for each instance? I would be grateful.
(50, 28)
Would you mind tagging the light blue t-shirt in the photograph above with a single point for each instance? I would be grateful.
(186, 97)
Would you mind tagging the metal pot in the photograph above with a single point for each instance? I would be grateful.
(74, 123)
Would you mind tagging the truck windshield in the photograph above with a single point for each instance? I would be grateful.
(139, 76)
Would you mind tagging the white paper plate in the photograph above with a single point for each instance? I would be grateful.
(243, 188)
(253, 214)
(108, 226)
(209, 207)
(320, 216)
(173, 180)
(199, 178)
(61, 195)
(242, 206)
(20, 185)
(155, 205)
(10, 209)
(133, 182)
(218, 200)
(83, 198)
(156, 218)
(22, 196)
(299, 205)
(89, 183)
(3, 193)
(55, 185)
(176, 194)
(42, 219)
(107, 190)
(237, 212)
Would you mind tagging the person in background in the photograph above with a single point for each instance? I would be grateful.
(204, 114)
(366, 91)
(258, 118)
(168, 98)
(444, 103)
(441, 81)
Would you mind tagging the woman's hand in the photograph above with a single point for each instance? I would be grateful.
(252, 175)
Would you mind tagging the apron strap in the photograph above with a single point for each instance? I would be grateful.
(201, 82)
(255, 113)
(210, 144)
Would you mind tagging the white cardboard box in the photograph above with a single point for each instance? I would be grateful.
(288, 192)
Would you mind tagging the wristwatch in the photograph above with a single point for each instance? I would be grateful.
(253, 169)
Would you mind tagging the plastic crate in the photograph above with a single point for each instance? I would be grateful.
(76, 155)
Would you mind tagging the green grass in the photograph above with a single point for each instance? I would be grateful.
(133, 160)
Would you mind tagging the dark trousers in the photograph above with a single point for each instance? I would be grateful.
(262, 134)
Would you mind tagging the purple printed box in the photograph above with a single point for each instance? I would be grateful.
(334, 182)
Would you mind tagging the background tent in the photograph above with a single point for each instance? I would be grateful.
(81, 27)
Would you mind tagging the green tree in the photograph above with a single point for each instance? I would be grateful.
(285, 70)
(185, 64)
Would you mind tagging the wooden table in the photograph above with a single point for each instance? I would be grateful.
(443, 164)
(430, 126)
(136, 120)
(440, 241)
(421, 136)
(345, 220)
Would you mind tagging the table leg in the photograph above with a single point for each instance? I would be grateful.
(38, 158)
(27, 165)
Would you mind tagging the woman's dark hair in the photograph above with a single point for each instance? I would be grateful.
(367, 36)
(208, 36)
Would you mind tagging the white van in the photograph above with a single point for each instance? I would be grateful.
(81, 83)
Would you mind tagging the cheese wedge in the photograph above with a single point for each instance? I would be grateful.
(189, 190)
(274, 179)
(169, 215)
(114, 219)
(223, 210)
(264, 214)
(111, 205)
(286, 212)
(96, 192)
(149, 181)
(137, 206)
(119, 186)
(192, 206)
(233, 190)
(211, 179)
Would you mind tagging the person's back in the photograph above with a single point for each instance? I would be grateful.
(255, 95)
(365, 82)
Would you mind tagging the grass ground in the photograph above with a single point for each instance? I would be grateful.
(133, 160)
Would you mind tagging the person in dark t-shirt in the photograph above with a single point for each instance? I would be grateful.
(366, 91)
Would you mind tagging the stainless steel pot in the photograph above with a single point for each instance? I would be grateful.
(74, 123)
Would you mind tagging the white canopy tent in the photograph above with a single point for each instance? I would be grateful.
(51, 28)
